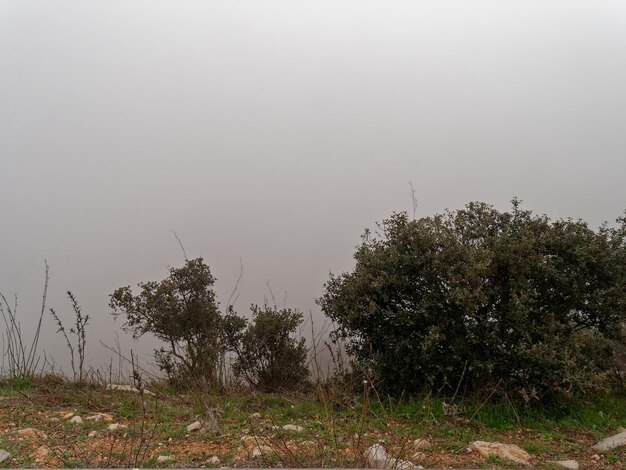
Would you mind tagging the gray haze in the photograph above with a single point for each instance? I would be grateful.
(277, 131)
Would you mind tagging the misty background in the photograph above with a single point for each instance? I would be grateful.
(277, 131)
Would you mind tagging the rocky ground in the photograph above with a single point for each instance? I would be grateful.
(57, 424)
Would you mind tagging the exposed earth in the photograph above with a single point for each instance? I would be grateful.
(51, 423)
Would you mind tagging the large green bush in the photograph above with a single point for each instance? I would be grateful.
(480, 298)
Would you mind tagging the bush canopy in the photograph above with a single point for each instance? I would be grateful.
(476, 298)
(182, 312)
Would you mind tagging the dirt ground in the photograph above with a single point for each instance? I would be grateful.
(36, 428)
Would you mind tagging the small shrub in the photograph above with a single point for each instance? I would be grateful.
(181, 311)
(269, 357)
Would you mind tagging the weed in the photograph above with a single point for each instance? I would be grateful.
(80, 331)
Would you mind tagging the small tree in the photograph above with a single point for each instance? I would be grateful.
(486, 298)
(181, 311)
(268, 356)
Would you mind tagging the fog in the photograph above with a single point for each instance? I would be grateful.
(275, 132)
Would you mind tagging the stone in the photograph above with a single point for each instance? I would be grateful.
(68, 415)
(128, 388)
(293, 428)
(595, 457)
(99, 417)
(164, 458)
(195, 426)
(76, 420)
(260, 451)
(248, 441)
(4, 455)
(422, 444)
(31, 433)
(92, 434)
(376, 456)
(567, 464)
(399, 463)
(41, 452)
(610, 443)
(116, 426)
(417, 456)
(255, 416)
(215, 460)
(505, 451)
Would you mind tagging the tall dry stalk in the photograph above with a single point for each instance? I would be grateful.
(22, 358)
(80, 330)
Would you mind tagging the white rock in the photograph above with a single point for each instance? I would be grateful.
(506, 451)
(260, 451)
(399, 463)
(41, 452)
(195, 426)
(116, 426)
(76, 420)
(422, 444)
(567, 464)
(92, 434)
(164, 458)
(4, 455)
(610, 443)
(215, 460)
(99, 417)
(32, 433)
(255, 416)
(293, 428)
(248, 441)
(376, 457)
(595, 457)
(128, 388)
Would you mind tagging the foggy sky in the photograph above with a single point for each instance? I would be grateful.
(277, 131)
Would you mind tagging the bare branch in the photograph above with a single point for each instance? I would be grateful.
(181, 244)
(234, 292)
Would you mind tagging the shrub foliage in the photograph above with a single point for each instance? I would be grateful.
(269, 356)
(479, 297)
(183, 313)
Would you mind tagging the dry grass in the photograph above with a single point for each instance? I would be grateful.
(336, 432)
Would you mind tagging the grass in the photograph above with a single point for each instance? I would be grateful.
(335, 434)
